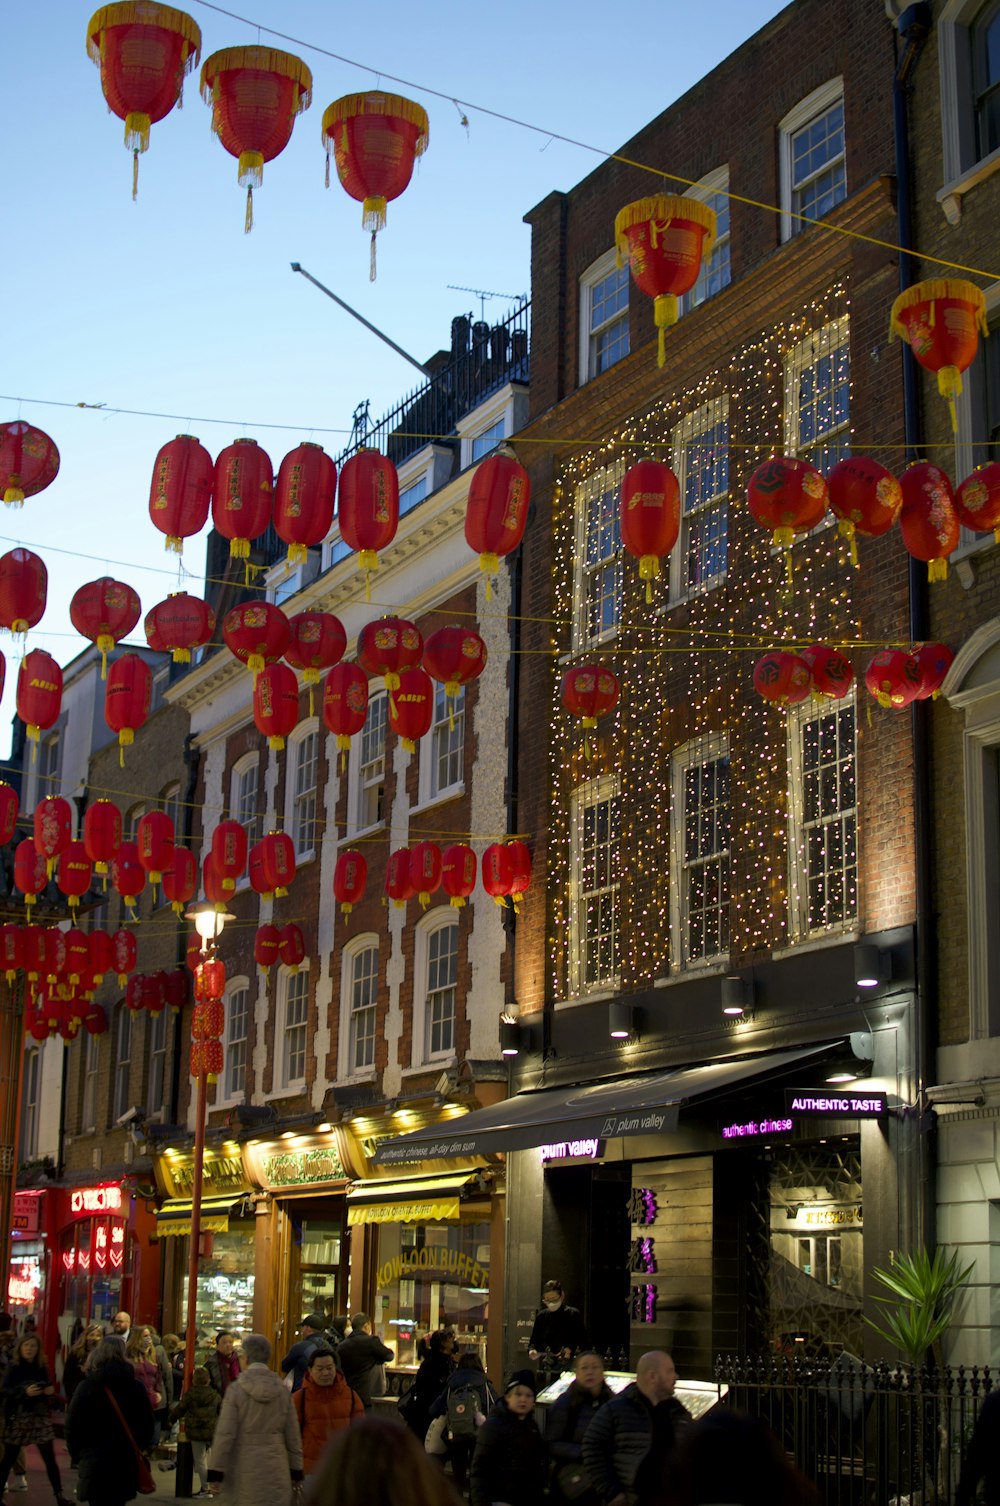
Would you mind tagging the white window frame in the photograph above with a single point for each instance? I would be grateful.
(47, 776)
(246, 773)
(596, 274)
(294, 994)
(606, 481)
(587, 796)
(231, 1094)
(88, 1095)
(121, 1078)
(509, 404)
(31, 1103)
(156, 1048)
(710, 190)
(442, 918)
(295, 797)
(130, 825)
(818, 103)
(799, 927)
(813, 348)
(441, 743)
(169, 801)
(691, 428)
(694, 754)
(359, 947)
(357, 783)
(962, 169)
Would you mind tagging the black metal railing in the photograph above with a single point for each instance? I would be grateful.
(867, 1435)
(483, 359)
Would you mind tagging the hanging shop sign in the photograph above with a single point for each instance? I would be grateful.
(571, 1150)
(857, 1104)
(819, 1218)
(223, 1174)
(275, 1167)
(26, 1214)
(104, 1199)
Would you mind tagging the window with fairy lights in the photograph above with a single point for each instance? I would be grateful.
(701, 463)
(359, 995)
(813, 158)
(823, 836)
(700, 852)
(712, 190)
(598, 557)
(595, 884)
(818, 396)
(603, 316)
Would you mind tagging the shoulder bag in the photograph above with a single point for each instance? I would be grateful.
(145, 1484)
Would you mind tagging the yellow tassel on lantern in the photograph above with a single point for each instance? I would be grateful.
(174, 544)
(664, 315)
(181, 656)
(937, 569)
(277, 743)
(850, 533)
(649, 570)
(105, 644)
(13, 496)
(949, 380)
(297, 554)
(239, 549)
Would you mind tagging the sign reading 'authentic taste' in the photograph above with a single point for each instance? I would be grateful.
(859, 1104)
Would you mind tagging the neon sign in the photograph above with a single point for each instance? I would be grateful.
(24, 1283)
(860, 1105)
(757, 1127)
(106, 1199)
(564, 1149)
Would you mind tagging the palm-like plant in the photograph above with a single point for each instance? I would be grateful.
(925, 1292)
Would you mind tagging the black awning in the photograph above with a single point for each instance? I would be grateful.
(609, 1110)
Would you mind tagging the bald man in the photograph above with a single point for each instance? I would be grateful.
(627, 1447)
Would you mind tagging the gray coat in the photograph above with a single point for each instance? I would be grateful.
(257, 1442)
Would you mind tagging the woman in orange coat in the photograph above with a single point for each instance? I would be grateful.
(324, 1405)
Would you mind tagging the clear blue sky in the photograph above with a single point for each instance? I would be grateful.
(166, 306)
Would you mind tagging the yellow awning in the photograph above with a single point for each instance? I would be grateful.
(417, 1200)
(174, 1218)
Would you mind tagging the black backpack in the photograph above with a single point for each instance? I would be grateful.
(463, 1404)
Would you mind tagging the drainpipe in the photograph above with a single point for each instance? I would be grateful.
(513, 707)
(192, 762)
(919, 1221)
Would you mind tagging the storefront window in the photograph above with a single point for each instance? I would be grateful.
(25, 1280)
(817, 1248)
(95, 1260)
(225, 1282)
(433, 1275)
(319, 1264)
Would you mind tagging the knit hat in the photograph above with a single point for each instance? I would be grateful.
(520, 1378)
(315, 1321)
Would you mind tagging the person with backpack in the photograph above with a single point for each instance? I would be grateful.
(435, 1368)
(566, 1427)
(324, 1405)
(464, 1404)
(199, 1408)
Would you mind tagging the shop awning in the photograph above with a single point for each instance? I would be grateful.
(617, 1108)
(174, 1218)
(410, 1202)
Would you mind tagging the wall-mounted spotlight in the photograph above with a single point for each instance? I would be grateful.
(511, 1035)
(872, 966)
(737, 995)
(621, 1021)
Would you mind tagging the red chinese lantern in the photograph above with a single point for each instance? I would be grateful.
(266, 947)
(39, 692)
(128, 876)
(73, 874)
(376, 138)
(781, 677)
(180, 880)
(454, 656)
(53, 829)
(425, 871)
(208, 1020)
(95, 1021)
(101, 953)
(229, 849)
(105, 611)
(209, 979)
(345, 704)
(497, 869)
(977, 500)
(665, 239)
(143, 51)
(102, 833)
(458, 873)
(934, 661)
(864, 497)
(496, 510)
(211, 882)
(832, 674)
(36, 1025)
(928, 521)
(206, 1059)
(57, 954)
(303, 500)
(242, 496)
(388, 646)
(181, 491)
(124, 950)
(257, 633)
(154, 840)
(277, 863)
(36, 950)
(368, 508)
(127, 697)
(193, 954)
(77, 951)
(893, 678)
(940, 320)
(650, 516)
(9, 805)
(24, 583)
(589, 692)
(178, 625)
(276, 703)
(292, 947)
(176, 989)
(11, 950)
(255, 94)
(398, 878)
(29, 462)
(350, 877)
(411, 710)
(316, 642)
(788, 496)
(520, 877)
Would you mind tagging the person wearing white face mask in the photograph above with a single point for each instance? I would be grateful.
(558, 1328)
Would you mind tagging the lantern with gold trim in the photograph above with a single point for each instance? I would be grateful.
(350, 877)
(665, 240)
(266, 947)
(144, 50)
(127, 697)
(781, 677)
(376, 138)
(650, 516)
(368, 508)
(24, 583)
(101, 953)
(399, 878)
(39, 692)
(831, 673)
(940, 320)
(790, 497)
(864, 497)
(425, 871)
(928, 520)
(277, 864)
(128, 876)
(73, 873)
(411, 709)
(125, 951)
(458, 873)
(893, 678)
(180, 494)
(589, 692)
(104, 611)
(934, 661)
(345, 704)
(229, 849)
(388, 646)
(454, 656)
(977, 500)
(180, 880)
(102, 834)
(53, 829)
(179, 624)
(292, 947)
(242, 495)
(496, 510)
(9, 806)
(29, 462)
(276, 704)
(520, 871)
(211, 882)
(497, 870)
(30, 871)
(154, 839)
(316, 642)
(11, 950)
(256, 632)
(303, 500)
(255, 94)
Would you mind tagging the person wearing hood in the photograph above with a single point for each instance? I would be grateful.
(467, 1383)
(257, 1447)
(109, 1412)
(199, 1408)
(558, 1329)
(509, 1464)
(566, 1427)
(324, 1405)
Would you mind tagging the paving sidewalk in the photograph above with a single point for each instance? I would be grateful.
(39, 1492)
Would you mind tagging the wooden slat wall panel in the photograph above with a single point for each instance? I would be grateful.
(682, 1248)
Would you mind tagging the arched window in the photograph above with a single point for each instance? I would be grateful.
(436, 991)
(359, 1006)
(302, 814)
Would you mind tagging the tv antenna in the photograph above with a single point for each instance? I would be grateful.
(483, 293)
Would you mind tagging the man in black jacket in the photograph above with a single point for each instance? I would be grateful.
(360, 1355)
(558, 1328)
(982, 1461)
(627, 1448)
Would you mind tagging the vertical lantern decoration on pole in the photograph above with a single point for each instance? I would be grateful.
(496, 510)
(180, 493)
(376, 138)
(29, 462)
(368, 508)
(940, 321)
(105, 611)
(255, 94)
(665, 239)
(144, 50)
